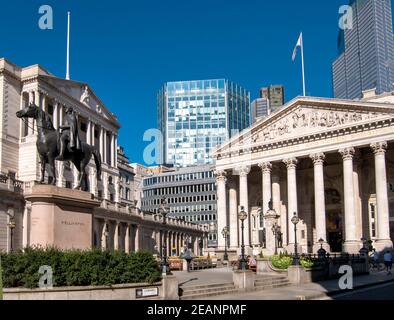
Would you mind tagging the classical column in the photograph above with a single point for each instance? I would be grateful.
(116, 152)
(244, 200)
(44, 102)
(93, 138)
(55, 114)
(351, 244)
(26, 226)
(105, 147)
(291, 165)
(320, 208)
(233, 219)
(31, 120)
(137, 243)
(266, 168)
(276, 202)
(127, 239)
(112, 150)
(37, 101)
(104, 236)
(101, 142)
(89, 133)
(383, 219)
(116, 235)
(221, 206)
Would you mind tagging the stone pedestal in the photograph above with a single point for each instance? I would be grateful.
(170, 288)
(244, 279)
(352, 247)
(61, 217)
(271, 219)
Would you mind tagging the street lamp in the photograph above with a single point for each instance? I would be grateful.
(163, 210)
(242, 215)
(225, 233)
(295, 221)
(321, 253)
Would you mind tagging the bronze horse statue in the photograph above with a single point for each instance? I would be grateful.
(48, 148)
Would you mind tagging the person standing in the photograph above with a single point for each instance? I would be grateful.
(388, 261)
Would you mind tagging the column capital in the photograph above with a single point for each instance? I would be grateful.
(221, 175)
(291, 163)
(347, 153)
(243, 171)
(379, 147)
(266, 167)
(318, 158)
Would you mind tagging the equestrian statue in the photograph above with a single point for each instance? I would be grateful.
(61, 145)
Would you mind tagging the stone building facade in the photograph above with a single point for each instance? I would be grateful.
(330, 161)
(116, 223)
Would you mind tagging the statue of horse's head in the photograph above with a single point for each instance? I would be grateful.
(28, 112)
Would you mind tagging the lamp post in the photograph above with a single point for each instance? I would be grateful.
(225, 233)
(321, 253)
(295, 221)
(163, 211)
(242, 215)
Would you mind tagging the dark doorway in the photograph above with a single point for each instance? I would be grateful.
(335, 241)
(334, 230)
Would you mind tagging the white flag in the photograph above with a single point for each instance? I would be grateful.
(299, 44)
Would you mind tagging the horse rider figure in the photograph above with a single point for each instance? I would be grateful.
(69, 136)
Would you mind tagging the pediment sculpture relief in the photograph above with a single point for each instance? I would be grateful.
(304, 118)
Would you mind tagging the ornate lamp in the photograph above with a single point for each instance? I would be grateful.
(242, 215)
(225, 233)
(295, 220)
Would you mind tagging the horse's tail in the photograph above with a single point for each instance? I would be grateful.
(97, 160)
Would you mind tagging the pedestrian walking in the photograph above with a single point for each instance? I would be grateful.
(388, 261)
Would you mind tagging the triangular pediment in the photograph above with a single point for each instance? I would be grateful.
(305, 116)
(82, 93)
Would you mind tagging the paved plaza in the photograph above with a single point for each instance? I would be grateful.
(312, 291)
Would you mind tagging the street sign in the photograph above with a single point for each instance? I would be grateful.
(147, 292)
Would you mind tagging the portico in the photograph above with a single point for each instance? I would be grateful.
(329, 161)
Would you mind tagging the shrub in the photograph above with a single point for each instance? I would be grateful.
(306, 262)
(281, 261)
(78, 268)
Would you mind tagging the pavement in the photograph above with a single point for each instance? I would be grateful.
(198, 277)
(311, 291)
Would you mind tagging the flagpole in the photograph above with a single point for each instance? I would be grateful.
(68, 47)
(303, 67)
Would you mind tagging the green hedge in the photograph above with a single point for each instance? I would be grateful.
(78, 268)
(281, 261)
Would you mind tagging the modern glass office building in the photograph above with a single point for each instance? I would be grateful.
(195, 116)
(366, 51)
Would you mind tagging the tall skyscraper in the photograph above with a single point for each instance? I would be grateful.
(366, 51)
(260, 109)
(271, 99)
(195, 116)
(275, 95)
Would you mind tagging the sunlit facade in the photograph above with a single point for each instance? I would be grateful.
(195, 116)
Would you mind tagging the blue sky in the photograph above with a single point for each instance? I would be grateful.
(127, 49)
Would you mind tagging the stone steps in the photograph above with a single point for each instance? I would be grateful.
(271, 282)
(208, 290)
